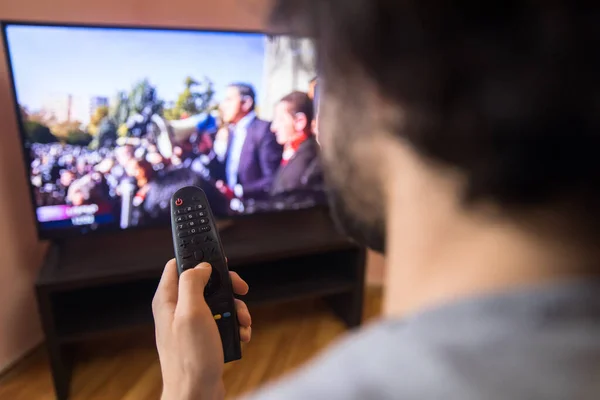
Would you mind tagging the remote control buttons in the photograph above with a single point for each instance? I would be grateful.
(200, 207)
(198, 240)
(211, 253)
(180, 219)
(205, 228)
(188, 265)
(179, 202)
(224, 315)
(203, 221)
(222, 308)
(183, 234)
(199, 255)
(185, 253)
(214, 283)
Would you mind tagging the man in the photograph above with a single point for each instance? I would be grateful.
(89, 189)
(167, 182)
(253, 155)
(300, 170)
(470, 158)
(123, 154)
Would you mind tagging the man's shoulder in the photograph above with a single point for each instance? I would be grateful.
(309, 147)
(307, 155)
(493, 347)
(260, 127)
(364, 364)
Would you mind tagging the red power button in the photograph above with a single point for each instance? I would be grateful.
(178, 202)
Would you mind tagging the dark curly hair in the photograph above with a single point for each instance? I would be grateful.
(507, 92)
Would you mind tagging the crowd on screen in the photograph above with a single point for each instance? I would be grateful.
(245, 164)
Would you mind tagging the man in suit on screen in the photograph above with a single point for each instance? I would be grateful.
(300, 170)
(253, 155)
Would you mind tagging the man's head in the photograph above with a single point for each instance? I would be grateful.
(124, 153)
(141, 170)
(89, 189)
(293, 117)
(498, 100)
(66, 178)
(238, 102)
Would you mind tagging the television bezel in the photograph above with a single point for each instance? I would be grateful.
(72, 232)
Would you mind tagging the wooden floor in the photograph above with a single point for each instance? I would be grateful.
(126, 366)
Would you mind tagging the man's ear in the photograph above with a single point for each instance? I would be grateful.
(300, 122)
(247, 104)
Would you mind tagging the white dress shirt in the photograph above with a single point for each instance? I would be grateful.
(238, 137)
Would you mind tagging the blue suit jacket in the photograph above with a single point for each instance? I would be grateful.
(259, 161)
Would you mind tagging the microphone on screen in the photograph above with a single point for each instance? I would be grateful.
(127, 189)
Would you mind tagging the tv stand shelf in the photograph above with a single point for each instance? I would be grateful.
(94, 285)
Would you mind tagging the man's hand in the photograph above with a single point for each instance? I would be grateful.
(187, 338)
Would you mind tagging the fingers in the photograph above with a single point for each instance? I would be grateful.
(165, 299)
(244, 320)
(191, 288)
(240, 287)
(243, 313)
(245, 334)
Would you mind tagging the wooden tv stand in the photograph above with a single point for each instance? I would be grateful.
(95, 285)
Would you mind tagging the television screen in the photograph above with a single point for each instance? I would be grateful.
(115, 120)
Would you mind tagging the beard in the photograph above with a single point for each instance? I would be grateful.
(367, 228)
(351, 166)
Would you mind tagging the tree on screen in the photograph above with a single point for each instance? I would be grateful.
(99, 114)
(77, 137)
(107, 133)
(119, 110)
(144, 95)
(64, 128)
(141, 99)
(38, 133)
(196, 98)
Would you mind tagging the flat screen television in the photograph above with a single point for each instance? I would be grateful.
(114, 120)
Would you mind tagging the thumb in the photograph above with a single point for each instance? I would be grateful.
(191, 287)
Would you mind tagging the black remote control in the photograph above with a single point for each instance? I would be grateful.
(196, 240)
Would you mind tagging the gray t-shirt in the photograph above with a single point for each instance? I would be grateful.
(536, 343)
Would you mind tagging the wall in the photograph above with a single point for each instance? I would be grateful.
(20, 253)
